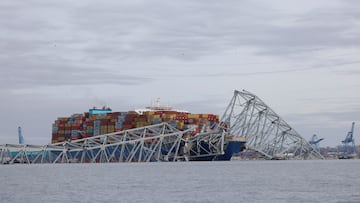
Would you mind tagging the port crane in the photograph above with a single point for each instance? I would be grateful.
(315, 142)
(349, 144)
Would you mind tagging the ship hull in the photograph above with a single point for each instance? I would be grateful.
(231, 148)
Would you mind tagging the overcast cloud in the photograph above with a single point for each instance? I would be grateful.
(300, 57)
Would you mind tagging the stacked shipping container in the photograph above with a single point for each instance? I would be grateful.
(85, 125)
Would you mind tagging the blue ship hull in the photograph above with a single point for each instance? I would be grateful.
(232, 147)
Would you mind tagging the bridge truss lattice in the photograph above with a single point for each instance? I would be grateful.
(246, 115)
(265, 131)
(161, 142)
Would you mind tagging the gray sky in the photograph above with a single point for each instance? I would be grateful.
(64, 57)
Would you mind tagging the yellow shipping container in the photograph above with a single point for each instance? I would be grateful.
(111, 128)
(149, 113)
(193, 116)
(170, 116)
(142, 124)
(180, 125)
(204, 115)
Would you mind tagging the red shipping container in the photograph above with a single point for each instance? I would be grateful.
(104, 122)
(54, 136)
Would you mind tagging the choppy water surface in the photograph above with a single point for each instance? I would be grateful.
(236, 181)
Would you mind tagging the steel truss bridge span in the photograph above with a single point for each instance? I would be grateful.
(161, 142)
(265, 131)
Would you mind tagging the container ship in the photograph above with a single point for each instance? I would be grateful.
(102, 121)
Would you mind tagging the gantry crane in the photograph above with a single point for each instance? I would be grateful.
(349, 150)
(315, 142)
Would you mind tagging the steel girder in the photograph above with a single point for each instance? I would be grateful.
(161, 142)
(246, 115)
(204, 145)
(265, 131)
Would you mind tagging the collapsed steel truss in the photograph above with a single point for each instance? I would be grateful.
(265, 131)
(161, 142)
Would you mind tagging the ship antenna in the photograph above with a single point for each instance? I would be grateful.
(21, 138)
(158, 102)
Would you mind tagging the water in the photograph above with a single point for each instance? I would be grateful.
(236, 181)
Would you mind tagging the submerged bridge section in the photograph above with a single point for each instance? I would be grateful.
(265, 131)
(161, 142)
